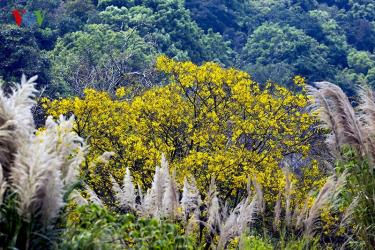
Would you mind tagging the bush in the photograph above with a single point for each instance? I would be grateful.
(94, 227)
(252, 242)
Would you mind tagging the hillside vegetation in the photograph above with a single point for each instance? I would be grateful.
(107, 44)
(171, 124)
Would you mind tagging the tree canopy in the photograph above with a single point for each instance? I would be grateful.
(208, 120)
(316, 39)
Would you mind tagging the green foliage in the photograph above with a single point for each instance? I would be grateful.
(103, 4)
(252, 242)
(338, 27)
(93, 227)
(19, 54)
(360, 61)
(169, 25)
(219, 15)
(313, 38)
(76, 13)
(370, 78)
(272, 44)
(359, 71)
(16, 232)
(108, 58)
(301, 244)
(10, 222)
(331, 34)
(360, 192)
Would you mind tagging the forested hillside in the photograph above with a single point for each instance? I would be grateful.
(272, 40)
(187, 124)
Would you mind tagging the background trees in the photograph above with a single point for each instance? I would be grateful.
(101, 58)
(274, 44)
(169, 26)
(20, 54)
(312, 38)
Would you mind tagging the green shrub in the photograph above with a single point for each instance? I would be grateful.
(93, 227)
(359, 195)
(256, 243)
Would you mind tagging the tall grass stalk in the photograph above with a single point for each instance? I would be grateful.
(37, 168)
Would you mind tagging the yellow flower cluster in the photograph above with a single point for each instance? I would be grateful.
(120, 92)
(330, 221)
(209, 121)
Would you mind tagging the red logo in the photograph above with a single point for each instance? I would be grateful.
(17, 14)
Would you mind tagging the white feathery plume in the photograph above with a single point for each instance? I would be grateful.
(93, 197)
(8, 146)
(288, 187)
(327, 196)
(225, 211)
(165, 175)
(185, 194)
(338, 115)
(339, 186)
(70, 147)
(78, 198)
(249, 210)
(16, 120)
(140, 195)
(53, 199)
(259, 194)
(247, 214)
(33, 172)
(17, 106)
(348, 214)
(67, 148)
(38, 176)
(230, 226)
(125, 195)
(102, 159)
(3, 185)
(128, 190)
(69, 153)
(276, 220)
(164, 162)
(213, 207)
(301, 215)
(154, 196)
(153, 200)
(366, 116)
(170, 199)
(145, 209)
(105, 157)
(119, 195)
(321, 200)
(191, 199)
(241, 217)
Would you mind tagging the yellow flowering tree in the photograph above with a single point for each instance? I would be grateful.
(209, 121)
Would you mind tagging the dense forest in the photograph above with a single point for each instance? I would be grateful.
(187, 124)
(108, 44)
